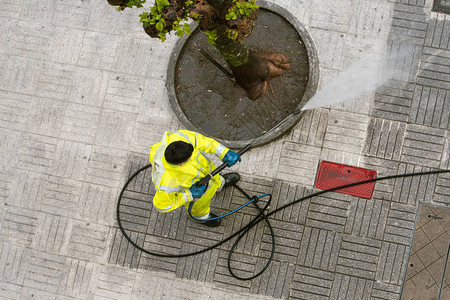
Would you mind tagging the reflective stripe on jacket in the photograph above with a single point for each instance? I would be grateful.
(172, 182)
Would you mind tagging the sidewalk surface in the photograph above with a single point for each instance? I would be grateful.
(82, 98)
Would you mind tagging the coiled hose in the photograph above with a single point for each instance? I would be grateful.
(258, 218)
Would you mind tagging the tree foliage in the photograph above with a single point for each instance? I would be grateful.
(166, 16)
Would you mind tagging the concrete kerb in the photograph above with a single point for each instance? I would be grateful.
(311, 87)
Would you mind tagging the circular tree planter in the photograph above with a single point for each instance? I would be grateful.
(206, 100)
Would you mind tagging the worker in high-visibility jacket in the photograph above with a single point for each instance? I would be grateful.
(178, 163)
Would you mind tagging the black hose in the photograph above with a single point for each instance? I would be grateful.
(261, 216)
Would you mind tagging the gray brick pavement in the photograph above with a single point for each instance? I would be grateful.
(78, 114)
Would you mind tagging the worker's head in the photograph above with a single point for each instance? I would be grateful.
(178, 152)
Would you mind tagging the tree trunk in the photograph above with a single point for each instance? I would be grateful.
(252, 70)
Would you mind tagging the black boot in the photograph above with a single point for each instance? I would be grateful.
(230, 179)
(211, 223)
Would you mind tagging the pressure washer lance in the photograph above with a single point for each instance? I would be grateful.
(206, 179)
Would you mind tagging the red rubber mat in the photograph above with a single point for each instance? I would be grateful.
(331, 175)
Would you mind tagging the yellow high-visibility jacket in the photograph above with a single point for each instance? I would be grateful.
(172, 182)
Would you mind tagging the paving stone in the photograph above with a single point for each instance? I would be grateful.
(288, 237)
(311, 128)
(275, 281)
(5, 184)
(385, 139)
(408, 23)
(284, 193)
(370, 18)
(392, 254)
(98, 50)
(104, 19)
(336, 19)
(19, 74)
(298, 163)
(88, 241)
(348, 287)
(400, 223)
(393, 101)
(330, 58)
(199, 267)
(311, 284)
(51, 233)
(10, 291)
(358, 255)
(11, 9)
(222, 277)
(328, 212)
(345, 131)
(384, 291)
(411, 190)
(318, 249)
(15, 110)
(55, 82)
(71, 160)
(31, 292)
(105, 167)
(44, 271)
(13, 259)
(114, 283)
(383, 188)
(31, 39)
(18, 226)
(115, 128)
(27, 190)
(433, 71)
(76, 279)
(442, 189)
(264, 161)
(367, 218)
(97, 204)
(124, 92)
(80, 123)
(10, 159)
(428, 107)
(66, 44)
(438, 31)
(73, 14)
(46, 117)
(149, 131)
(61, 196)
(423, 145)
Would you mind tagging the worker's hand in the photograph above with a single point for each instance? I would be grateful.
(197, 192)
(231, 158)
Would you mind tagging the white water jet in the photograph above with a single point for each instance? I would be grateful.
(367, 74)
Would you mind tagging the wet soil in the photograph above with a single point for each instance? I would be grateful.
(217, 106)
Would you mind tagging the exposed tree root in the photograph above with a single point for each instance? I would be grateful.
(255, 75)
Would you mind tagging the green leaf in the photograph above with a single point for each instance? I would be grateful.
(160, 26)
(187, 28)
